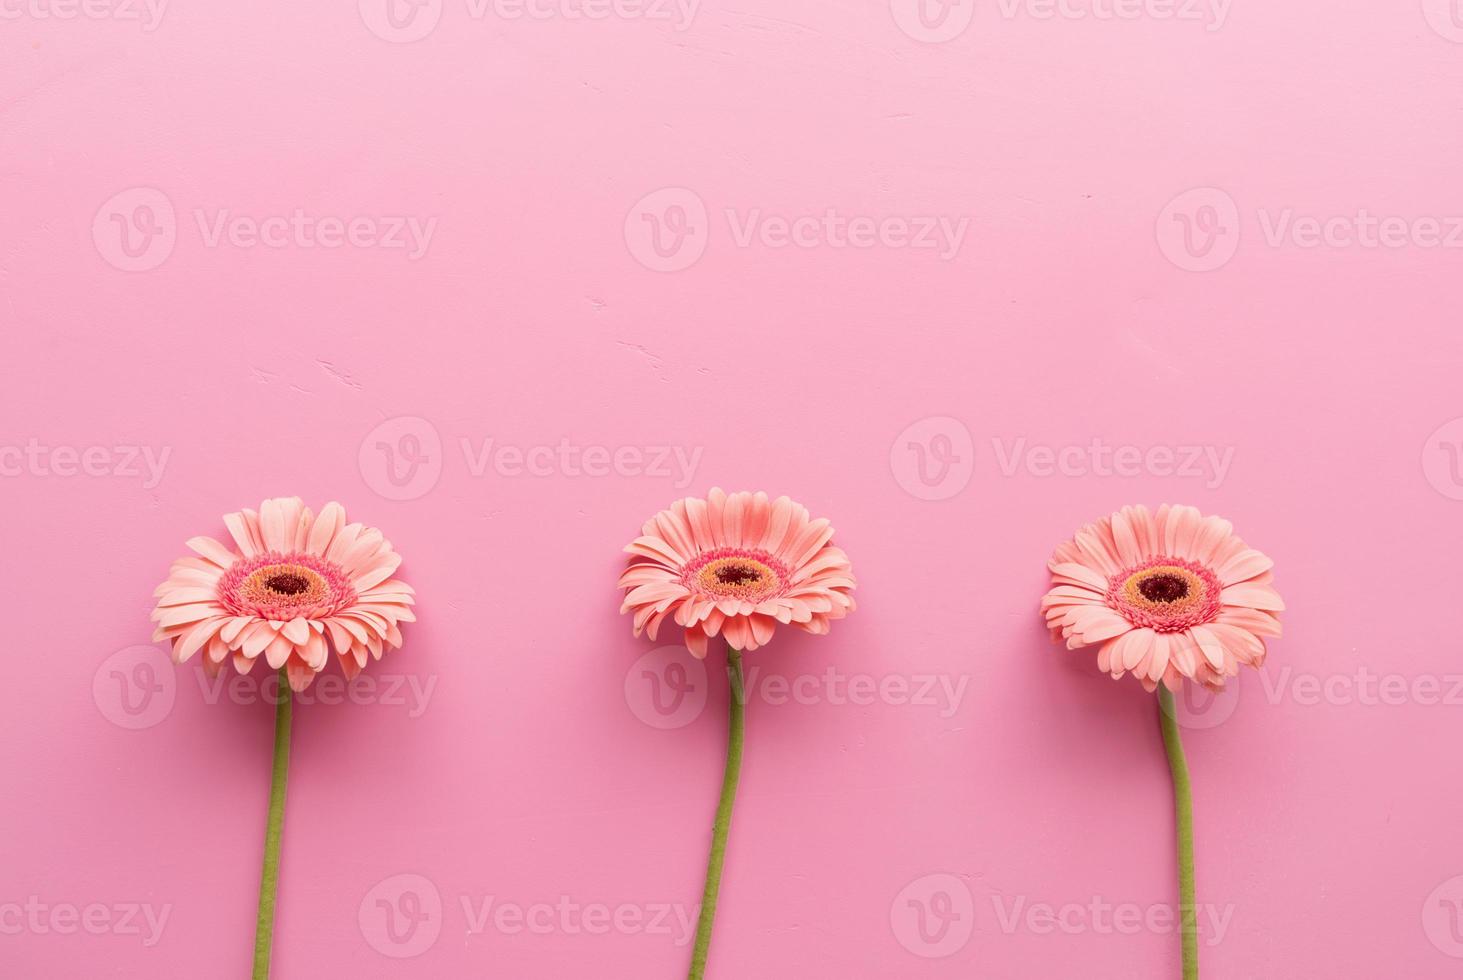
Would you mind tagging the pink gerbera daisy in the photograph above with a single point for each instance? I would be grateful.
(292, 581)
(1168, 596)
(736, 565)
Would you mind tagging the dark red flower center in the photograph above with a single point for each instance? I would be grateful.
(744, 574)
(1166, 594)
(738, 574)
(286, 583)
(1164, 588)
(285, 586)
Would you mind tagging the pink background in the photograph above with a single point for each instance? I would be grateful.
(1328, 826)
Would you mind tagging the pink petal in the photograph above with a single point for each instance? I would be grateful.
(1253, 597)
(213, 551)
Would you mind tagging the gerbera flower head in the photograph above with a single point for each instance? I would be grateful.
(1168, 596)
(291, 586)
(736, 565)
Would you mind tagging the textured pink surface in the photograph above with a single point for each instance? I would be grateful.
(1147, 261)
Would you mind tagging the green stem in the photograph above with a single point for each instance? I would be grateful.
(269, 878)
(723, 813)
(1183, 809)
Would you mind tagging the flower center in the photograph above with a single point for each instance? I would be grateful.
(1168, 595)
(284, 587)
(287, 583)
(735, 573)
(1164, 587)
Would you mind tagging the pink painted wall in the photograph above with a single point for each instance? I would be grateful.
(1203, 253)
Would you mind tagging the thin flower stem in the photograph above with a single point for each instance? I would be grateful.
(723, 813)
(269, 878)
(1183, 808)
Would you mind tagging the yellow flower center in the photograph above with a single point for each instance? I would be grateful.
(1166, 589)
(739, 577)
(294, 584)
